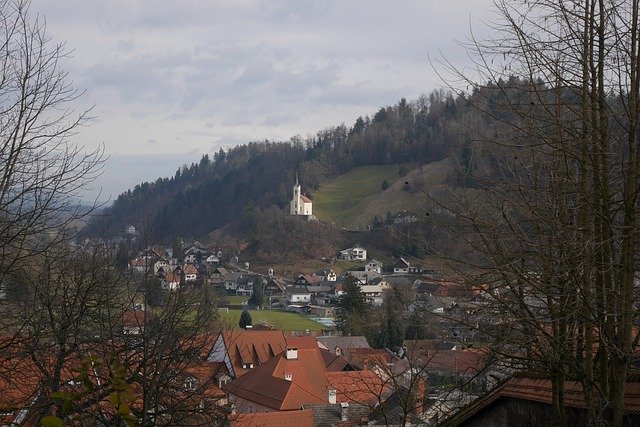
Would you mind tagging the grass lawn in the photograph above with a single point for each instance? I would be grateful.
(343, 198)
(235, 299)
(279, 319)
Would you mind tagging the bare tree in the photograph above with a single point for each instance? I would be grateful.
(42, 174)
(552, 227)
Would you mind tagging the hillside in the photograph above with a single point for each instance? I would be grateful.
(343, 168)
(352, 200)
(343, 199)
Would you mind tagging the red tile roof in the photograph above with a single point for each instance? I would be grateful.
(305, 199)
(266, 385)
(251, 347)
(303, 418)
(190, 269)
(135, 317)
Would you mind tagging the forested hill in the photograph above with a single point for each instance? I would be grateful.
(207, 195)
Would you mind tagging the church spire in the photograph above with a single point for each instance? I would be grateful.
(297, 185)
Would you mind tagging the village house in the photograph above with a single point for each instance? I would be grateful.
(170, 281)
(299, 376)
(134, 321)
(373, 266)
(275, 287)
(326, 275)
(218, 275)
(161, 266)
(231, 280)
(320, 294)
(342, 345)
(142, 264)
(363, 277)
(373, 293)
(401, 266)
(190, 273)
(245, 284)
(356, 253)
(298, 295)
(212, 260)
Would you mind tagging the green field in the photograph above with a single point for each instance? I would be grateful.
(342, 199)
(235, 299)
(279, 319)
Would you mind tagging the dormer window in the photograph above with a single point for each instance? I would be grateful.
(190, 384)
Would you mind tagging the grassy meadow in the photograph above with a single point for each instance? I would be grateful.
(280, 319)
(342, 199)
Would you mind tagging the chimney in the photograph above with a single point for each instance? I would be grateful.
(291, 354)
(288, 376)
(332, 396)
(421, 391)
(344, 406)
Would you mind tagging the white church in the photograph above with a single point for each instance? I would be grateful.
(300, 204)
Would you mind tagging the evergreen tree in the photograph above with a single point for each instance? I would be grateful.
(352, 316)
(245, 319)
(257, 296)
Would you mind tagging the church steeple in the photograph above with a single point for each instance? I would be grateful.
(300, 205)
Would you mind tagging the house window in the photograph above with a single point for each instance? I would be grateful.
(190, 384)
(222, 382)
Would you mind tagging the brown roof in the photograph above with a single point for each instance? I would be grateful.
(252, 347)
(303, 418)
(454, 361)
(305, 199)
(332, 362)
(17, 391)
(171, 277)
(364, 387)
(368, 356)
(135, 317)
(538, 389)
(345, 343)
(266, 385)
(190, 269)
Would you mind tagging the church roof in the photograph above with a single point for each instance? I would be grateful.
(305, 199)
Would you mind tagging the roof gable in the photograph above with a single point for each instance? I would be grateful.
(246, 348)
(267, 386)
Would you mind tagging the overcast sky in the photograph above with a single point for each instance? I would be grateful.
(172, 80)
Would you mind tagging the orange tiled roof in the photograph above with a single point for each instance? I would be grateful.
(190, 269)
(266, 385)
(251, 347)
(303, 418)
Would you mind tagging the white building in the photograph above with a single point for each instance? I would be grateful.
(373, 266)
(354, 254)
(300, 204)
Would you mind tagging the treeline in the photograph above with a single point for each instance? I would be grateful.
(209, 194)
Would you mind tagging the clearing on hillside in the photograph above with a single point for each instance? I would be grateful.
(353, 199)
(342, 199)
